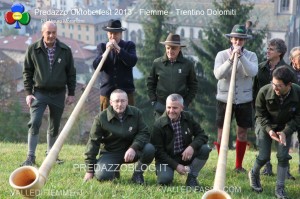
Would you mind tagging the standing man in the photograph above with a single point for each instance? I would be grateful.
(180, 143)
(116, 72)
(278, 114)
(125, 136)
(171, 73)
(242, 109)
(275, 52)
(295, 63)
(48, 70)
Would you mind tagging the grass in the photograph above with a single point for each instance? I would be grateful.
(65, 181)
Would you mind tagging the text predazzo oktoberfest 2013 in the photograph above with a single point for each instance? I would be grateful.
(142, 12)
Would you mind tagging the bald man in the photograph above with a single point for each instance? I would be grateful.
(48, 74)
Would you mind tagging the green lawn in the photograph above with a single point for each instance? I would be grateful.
(65, 181)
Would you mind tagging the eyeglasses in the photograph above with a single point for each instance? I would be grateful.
(119, 101)
(277, 85)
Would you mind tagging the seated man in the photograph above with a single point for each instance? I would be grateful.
(125, 136)
(180, 143)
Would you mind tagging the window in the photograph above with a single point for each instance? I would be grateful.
(79, 27)
(71, 35)
(182, 33)
(191, 33)
(284, 5)
(133, 36)
(79, 37)
(139, 36)
(87, 28)
(87, 38)
(200, 34)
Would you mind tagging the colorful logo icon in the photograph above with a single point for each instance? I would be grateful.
(17, 15)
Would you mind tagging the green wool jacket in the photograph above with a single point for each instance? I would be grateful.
(162, 137)
(273, 116)
(166, 78)
(116, 135)
(37, 73)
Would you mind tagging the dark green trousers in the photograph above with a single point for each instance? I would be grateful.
(110, 163)
(265, 142)
(55, 101)
(165, 173)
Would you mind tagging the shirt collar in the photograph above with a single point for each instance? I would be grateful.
(45, 45)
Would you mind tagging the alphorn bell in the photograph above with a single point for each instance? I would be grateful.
(29, 180)
(218, 189)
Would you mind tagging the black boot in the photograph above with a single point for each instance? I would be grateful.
(267, 170)
(255, 182)
(289, 175)
(138, 177)
(280, 192)
(30, 161)
(192, 182)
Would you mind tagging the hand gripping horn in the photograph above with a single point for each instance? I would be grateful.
(218, 190)
(29, 180)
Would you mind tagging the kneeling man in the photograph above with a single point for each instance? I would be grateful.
(125, 137)
(180, 143)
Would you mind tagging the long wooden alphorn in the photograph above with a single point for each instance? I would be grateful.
(219, 183)
(29, 180)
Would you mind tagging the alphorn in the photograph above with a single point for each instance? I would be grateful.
(219, 183)
(29, 180)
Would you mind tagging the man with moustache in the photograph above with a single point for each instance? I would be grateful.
(171, 73)
(116, 72)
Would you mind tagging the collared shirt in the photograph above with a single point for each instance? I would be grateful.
(178, 141)
(282, 98)
(51, 52)
(172, 61)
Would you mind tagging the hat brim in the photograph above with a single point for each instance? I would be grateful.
(114, 29)
(172, 44)
(243, 36)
